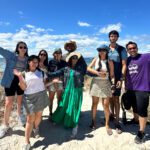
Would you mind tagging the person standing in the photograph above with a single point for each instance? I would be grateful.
(118, 55)
(69, 108)
(138, 83)
(55, 84)
(14, 60)
(70, 47)
(101, 85)
(43, 64)
(35, 97)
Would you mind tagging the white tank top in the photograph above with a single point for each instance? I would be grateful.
(103, 68)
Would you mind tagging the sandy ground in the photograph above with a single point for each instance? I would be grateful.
(56, 137)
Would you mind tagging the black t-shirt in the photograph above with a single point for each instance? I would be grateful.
(55, 65)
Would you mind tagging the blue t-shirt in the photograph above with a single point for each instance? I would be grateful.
(114, 56)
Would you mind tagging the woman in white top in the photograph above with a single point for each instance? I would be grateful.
(102, 69)
(35, 97)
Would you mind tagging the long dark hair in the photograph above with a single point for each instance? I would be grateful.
(31, 58)
(100, 64)
(17, 46)
(46, 60)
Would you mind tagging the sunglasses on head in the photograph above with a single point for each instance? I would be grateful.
(102, 50)
(42, 54)
(22, 47)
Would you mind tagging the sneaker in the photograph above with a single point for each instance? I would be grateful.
(26, 147)
(36, 133)
(139, 137)
(118, 128)
(74, 132)
(133, 121)
(4, 130)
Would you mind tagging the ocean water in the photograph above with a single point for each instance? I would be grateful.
(3, 64)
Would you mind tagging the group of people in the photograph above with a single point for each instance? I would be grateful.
(30, 77)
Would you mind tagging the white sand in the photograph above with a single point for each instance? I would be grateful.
(56, 137)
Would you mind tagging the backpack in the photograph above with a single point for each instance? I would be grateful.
(119, 50)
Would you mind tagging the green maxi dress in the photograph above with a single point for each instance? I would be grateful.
(68, 110)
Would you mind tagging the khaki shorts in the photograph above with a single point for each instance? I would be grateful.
(56, 87)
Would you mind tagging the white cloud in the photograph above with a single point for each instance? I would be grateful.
(110, 27)
(2, 23)
(83, 24)
(38, 38)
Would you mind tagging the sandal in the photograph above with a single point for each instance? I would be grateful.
(118, 128)
(109, 131)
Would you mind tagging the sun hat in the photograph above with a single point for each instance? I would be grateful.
(70, 43)
(103, 47)
(73, 54)
(57, 50)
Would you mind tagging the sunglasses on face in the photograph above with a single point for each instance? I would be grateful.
(75, 57)
(22, 47)
(42, 54)
(102, 50)
(132, 48)
(57, 53)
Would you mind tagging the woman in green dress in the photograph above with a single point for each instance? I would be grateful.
(68, 110)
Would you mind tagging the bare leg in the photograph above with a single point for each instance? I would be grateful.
(95, 101)
(51, 98)
(105, 102)
(19, 103)
(117, 108)
(142, 123)
(8, 109)
(38, 118)
(112, 106)
(29, 127)
(59, 96)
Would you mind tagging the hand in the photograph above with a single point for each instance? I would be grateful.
(113, 88)
(17, 73)
(118, 84)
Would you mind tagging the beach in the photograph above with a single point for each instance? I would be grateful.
(56, 137)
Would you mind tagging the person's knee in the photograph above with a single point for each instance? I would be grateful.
(8, 103)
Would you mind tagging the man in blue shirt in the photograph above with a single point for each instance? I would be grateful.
(118, 55)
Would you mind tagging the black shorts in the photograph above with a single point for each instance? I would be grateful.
(14, 88)
(140, 102)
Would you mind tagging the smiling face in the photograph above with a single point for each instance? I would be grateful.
(22, 49)
(132, 50)
(33, 64)
(102, 54)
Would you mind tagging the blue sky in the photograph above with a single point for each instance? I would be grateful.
(49, 24)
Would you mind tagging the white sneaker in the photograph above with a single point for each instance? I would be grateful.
(26, 147)
(3, 131)
(36, 132)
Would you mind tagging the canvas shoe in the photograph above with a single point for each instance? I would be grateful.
(139, 137)
(26, 146)
(36, 132)
(4, 130)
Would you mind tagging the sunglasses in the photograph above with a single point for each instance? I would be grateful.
(102, 50)
(42, 54)
(57, 53)
(75, 57)
(131, 48)
(22, 47)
